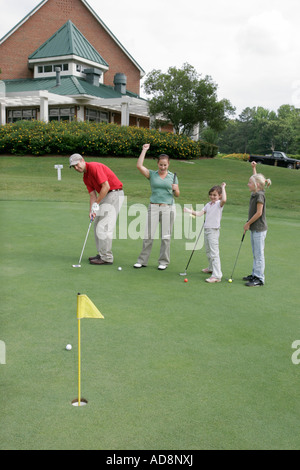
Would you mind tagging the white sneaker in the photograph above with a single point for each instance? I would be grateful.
(212, 279)
(162, 267)
(138, 265)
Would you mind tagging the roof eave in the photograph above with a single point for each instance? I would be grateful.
(68, 57)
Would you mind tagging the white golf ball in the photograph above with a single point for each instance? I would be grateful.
(119, 268)
(68, 347)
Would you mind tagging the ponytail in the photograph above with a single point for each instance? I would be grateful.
(260, 181)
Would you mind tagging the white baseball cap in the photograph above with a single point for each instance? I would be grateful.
(74, 159)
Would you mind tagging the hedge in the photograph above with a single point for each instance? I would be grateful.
(62, 138)
(238, 156)
(245, 156)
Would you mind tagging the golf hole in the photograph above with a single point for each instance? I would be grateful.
(83, 402)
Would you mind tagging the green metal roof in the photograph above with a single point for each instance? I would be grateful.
(69, 86)
(68, 41)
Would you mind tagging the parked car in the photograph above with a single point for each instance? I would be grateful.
(276, 159)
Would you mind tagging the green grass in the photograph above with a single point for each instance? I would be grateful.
(172, 365)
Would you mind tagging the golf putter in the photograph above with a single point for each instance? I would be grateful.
(237, 257)
(79, 265)
(185, 272)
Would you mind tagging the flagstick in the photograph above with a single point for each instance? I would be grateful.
(79, 361)
(85, 309)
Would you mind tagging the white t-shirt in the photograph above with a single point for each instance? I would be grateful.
(213, 211)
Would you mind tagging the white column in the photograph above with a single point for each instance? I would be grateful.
(2, 114)
(125, 114)
(80, 113)
(44, 109)
(2, 103)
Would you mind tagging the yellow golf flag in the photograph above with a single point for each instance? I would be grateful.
(86, 308)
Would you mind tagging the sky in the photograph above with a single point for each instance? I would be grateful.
(250, 49)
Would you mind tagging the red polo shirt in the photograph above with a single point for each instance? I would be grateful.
(96, 174)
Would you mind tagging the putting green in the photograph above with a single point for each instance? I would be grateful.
(173, 365)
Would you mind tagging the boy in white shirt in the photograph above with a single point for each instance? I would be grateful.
(213, 211)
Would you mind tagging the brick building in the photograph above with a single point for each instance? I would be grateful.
(61, 62)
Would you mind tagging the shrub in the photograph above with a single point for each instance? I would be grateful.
(297, 157)
(63, 138)
(238, 156)
(208, 150)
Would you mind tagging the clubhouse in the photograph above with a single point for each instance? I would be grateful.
(61, 62)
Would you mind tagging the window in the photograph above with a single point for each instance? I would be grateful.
(62, 114)
(14, 115)
(94, 115)
(63, 67)
(51, 68)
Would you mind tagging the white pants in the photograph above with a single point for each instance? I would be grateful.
(211, 241)
(105, 222)
(165, 215)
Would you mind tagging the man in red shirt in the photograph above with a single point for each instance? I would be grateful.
(106, 199)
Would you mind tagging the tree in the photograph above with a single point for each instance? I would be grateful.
(231, 139)
(288, 137)
(181, 97)
(258, 130)
(246, 121)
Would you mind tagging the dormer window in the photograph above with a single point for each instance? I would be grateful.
(69, 50)
(51, 68)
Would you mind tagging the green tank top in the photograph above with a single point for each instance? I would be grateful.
(161, 187)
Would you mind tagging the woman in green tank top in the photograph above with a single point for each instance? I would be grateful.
(161, 210)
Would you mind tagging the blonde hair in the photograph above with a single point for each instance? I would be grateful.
(260, 181)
